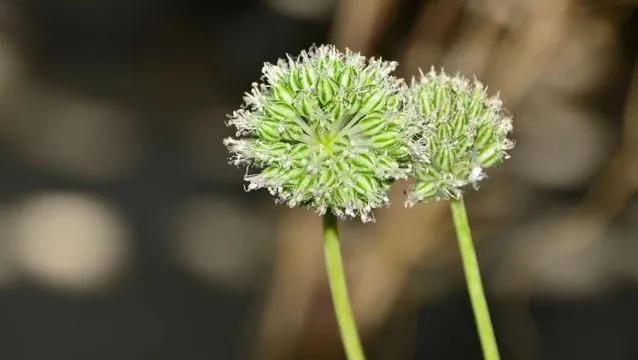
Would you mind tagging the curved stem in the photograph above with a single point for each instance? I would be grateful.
(473, 279)
(339, 289)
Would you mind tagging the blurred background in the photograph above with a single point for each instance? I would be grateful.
(124, 234)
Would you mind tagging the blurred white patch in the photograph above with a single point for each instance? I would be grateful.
(304, 9)
(69, 241)
(71, 134)
(559, 145)
(559, 255)
(224, 242)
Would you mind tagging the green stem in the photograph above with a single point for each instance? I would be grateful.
(339, 289)
(473, 279)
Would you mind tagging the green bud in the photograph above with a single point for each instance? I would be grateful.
(292, 132)
(484, 134)
(363, 161)
(304, 184)
(271, 172)
(318, 125)
(355, 106)
(336, 110)
(443, 131)
(307, 77)
(363, 184)
(300, 151)
(279, 149)
(475, 108)
(489, 156)
(326, 89)
(372, 124)
(269, 131)
(387, 162)
(292, 176)
(458, 124)
(445, 158)
(425, 190)
(283, 93)
(346, 77)
(426, 104)
(293, 80)
(327, 178)
(372, 101)
(459, 128)
(385, 141)
(281, 112)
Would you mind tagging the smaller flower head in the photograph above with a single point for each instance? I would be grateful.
(327, 130)
(462, 131)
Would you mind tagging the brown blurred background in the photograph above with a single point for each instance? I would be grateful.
(125, 235)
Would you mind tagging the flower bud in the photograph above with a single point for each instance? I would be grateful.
(283, 94)
(329, 129)
(372, 101)
(373, 124)
(461, 130)
(326, 89)
(346, 77)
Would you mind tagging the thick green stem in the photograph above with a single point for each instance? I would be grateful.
(473, 279)
(339, 289)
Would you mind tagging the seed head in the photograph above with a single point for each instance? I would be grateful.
(462, 131)
(326, 130)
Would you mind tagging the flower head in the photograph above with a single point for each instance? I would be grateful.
(462, 131)
(326, 130)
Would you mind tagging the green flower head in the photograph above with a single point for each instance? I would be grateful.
(462, 131)
(326, 130)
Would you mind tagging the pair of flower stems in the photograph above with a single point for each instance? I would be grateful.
(339, 290)
(331, 131)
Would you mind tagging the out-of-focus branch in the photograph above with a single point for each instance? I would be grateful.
(527, 50)
(358, 23)
(426, 43)
(298, 270)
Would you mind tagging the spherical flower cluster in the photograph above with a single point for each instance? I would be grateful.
(462, 132)
(326, 130)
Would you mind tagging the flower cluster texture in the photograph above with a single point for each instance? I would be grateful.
(462, 132)
(327, 130)
(331, 131)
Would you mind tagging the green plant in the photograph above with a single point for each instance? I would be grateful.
(331, 131)
(327, 130)
(463, 132)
